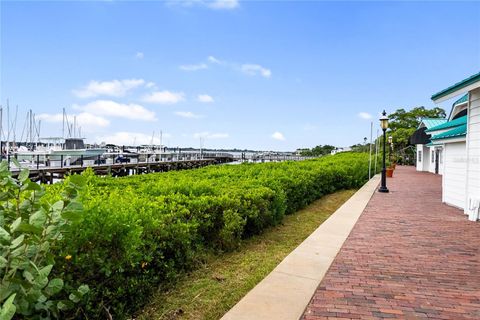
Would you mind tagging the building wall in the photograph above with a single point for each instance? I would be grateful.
(419, 156)
(473, 154)
(454, 175)
(423, 164)
(431, 162)
(441, 161)
(426, 158)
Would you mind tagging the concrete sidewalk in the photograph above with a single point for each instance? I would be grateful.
(408, 257)
(286, 291)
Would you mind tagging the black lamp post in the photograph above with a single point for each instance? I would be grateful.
(390, 148)
(384, 126)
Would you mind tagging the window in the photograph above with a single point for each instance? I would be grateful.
(419, 156)
(433, 156)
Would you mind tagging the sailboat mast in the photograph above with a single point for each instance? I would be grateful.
(38, 130)
(31, 126)
(14, 127)
(74, 126)
(63, 123)
(161, 146)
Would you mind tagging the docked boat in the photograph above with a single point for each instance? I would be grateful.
(55, 152)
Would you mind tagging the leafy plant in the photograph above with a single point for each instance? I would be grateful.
(402, 125)
(30, 231)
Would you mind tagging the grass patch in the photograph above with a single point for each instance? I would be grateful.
(214, 287)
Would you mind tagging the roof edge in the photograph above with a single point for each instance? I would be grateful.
(427, 122)
(457, 86)
(459, 131)
(449, 124)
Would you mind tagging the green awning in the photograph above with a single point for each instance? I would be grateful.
(450, 124)
(457, 132)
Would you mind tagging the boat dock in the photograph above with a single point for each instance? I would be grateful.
(55, 171)
(48, 175)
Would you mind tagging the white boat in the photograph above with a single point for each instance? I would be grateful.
(55, 154)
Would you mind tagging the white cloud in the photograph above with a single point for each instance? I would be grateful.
(193, 67)
(114, 88)
(223, 4)
(187, 114)
(85, 120)
(150, 85)
(214, 60)
(111, 108)
(139, 55)
(208, 135)
(246, 68)
(278, 136)
(132, 138)
(365, 115)
(205, 98)
(256, 69)
(164, 97)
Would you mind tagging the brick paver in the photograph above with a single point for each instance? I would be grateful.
(408, 257)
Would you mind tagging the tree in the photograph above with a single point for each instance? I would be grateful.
(317, 151)
(322, 150)
(365, 147)
(411, 119)
(402, 125)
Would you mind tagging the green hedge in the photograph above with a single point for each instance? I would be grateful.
(139, 231)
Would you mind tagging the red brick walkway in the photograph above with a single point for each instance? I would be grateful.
(408, 257)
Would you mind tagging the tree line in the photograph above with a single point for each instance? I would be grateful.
(402, 124)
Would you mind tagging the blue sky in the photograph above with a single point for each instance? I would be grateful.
(266, 75)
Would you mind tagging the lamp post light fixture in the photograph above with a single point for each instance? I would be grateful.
(384, 125)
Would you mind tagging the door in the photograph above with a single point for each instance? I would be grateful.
(436, 160)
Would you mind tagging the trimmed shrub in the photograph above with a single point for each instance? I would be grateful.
(138, 232)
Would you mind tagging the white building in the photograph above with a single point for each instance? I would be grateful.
(425, 160)
(338, 150)
(450, 139)
(459, 139)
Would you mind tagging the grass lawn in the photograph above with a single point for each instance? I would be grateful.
(212, 289)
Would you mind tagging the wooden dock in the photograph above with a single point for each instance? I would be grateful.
(49, 174)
